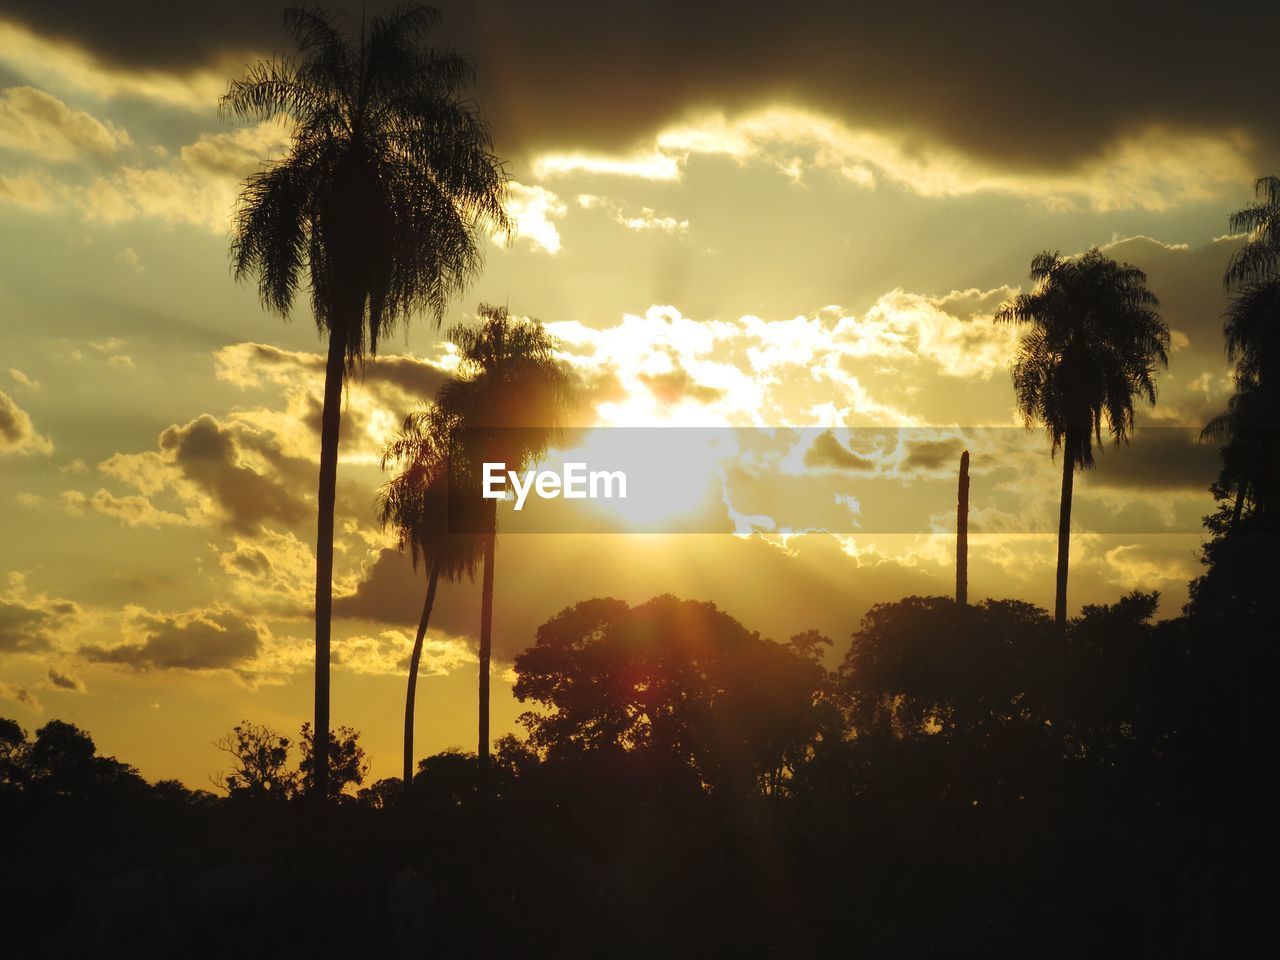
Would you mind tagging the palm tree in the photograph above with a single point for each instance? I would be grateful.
(511, 398)
(1242, 432)
(1096, 342)
(432, 515)
(1259, 258)
(1252, 334)
(376, 206)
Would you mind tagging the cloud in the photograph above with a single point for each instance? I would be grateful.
(930, 455)
(387, 654)
(534, 210)
(646, 221)
(272, 572)
(230, 472)
(381, 392)
(22, 380)
(932, 89)
(26, 192)
(51, 60)
(21, 695)
(216, 638)
(17, 433)
(662, 368)
(132, 510)
(38, 123)
(31, 623)
(1157, 459)
(66, 681)
(827, 451)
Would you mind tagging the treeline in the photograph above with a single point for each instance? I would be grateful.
(685, 781)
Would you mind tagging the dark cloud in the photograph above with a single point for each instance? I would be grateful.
(827, 451)
(17, 434)
(211, 640)
(1157, 459)
(419, 378)
(210, 455)
(933, 455)
(1021, 85)
(1188, 282)
(29, 624)
(65, 681)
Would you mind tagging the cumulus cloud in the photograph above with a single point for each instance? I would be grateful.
(131, 510)
(664, 368)
(38, 123)
(387, 654)
(216, 638)
(17, 433)
(534, 211)
(227, 472)
(31, 623)
(828, 451)
(272, 572)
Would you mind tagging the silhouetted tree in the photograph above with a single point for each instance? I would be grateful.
(62, 760)
(13, 753)
(674, 677)
(262, 763)
(430, 504)
(377, 204)
(382, 794)
(1095, 343)
(510, 399)
(348, 765)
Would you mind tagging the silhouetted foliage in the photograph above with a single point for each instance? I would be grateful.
(675, 677)
(348, 764)
(262, 763)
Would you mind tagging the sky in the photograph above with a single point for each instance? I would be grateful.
(790, 231)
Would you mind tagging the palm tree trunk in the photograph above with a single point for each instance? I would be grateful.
(414, 660)
(486, 630)
(962, 532)
(330, 424)
(1057, 709)
(1239, 507)
(1064, 529)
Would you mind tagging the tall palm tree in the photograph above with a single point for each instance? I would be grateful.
(433, 515)
(376, 207)
(511, 398)
(1095, 343)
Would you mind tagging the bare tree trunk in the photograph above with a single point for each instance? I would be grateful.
(414, 660)
(486, 631)
(330, 425)
(962, 532)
